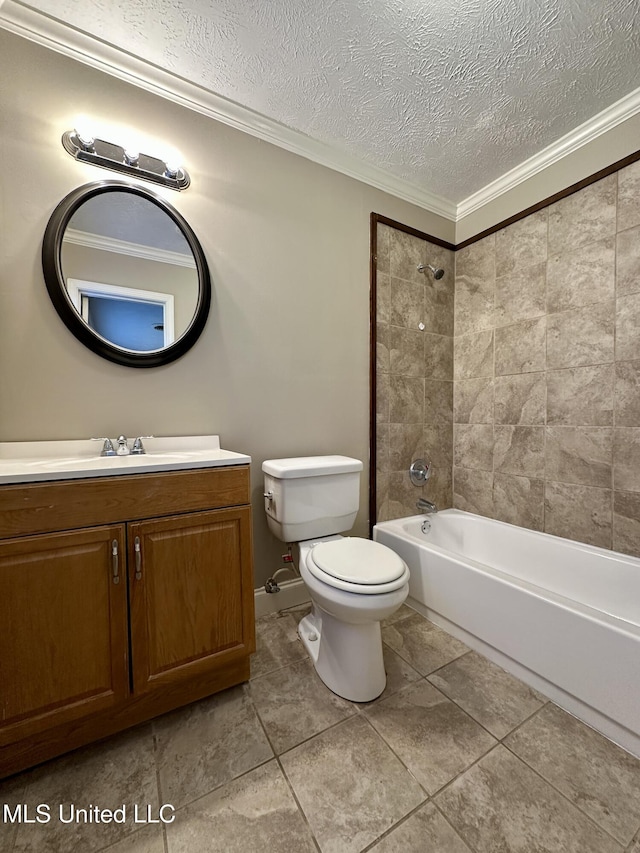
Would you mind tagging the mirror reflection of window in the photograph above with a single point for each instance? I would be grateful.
(136, 320)
(137, 326)
(132, 244)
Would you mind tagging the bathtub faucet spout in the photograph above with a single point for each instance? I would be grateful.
(426, 506)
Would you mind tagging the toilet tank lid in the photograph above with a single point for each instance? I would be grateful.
(310, 466)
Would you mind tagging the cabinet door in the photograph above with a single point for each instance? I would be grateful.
(63, 635)
(191, 590)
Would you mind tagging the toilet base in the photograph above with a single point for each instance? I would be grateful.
(347, 657)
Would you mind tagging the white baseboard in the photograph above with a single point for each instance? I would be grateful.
(292, 593)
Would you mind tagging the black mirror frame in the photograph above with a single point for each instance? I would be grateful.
(52, 268)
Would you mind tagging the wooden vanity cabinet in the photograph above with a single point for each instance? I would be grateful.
(186, 588)
(63, 640)
(122, 598)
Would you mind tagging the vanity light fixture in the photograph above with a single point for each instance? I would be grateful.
(110, 155)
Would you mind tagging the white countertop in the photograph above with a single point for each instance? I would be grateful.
(40, 461)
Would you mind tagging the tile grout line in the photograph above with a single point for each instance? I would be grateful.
(277, 669)
(477, 722)
(159, 784)
(634, 845)
(220, 786)
(501, 742)
(352, 716)
(460, 708)
(395, 826)
(466, 770)
(498, 741)
(530, 716)
(23, 797)
(361, 710)
(444, 665)
(472, 847)
(563, 795)
(233, 778)
(113, 844)
(395, 754)
(301, 811)
(126, 836)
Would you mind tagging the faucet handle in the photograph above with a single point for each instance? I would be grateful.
(420, 471)
(138, 446)
(107, 446)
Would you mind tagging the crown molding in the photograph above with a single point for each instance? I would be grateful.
(48, 32)
(605, 121)
(123, 247)
(96, 53)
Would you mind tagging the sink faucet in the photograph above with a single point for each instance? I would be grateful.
(426, 506)
(122, 448)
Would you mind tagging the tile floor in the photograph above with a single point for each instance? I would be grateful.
(456, 756)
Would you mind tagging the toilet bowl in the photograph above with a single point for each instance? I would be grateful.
(342, 634)
(353, 583)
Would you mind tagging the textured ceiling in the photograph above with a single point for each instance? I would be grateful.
(446, 94)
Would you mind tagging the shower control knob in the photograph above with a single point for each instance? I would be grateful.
(419, 472)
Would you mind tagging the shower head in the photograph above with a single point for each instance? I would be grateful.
(437, 273)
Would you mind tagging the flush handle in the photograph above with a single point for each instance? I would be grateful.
(114, 561)
(138, 552)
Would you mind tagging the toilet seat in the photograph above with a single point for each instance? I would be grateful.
(357, 565)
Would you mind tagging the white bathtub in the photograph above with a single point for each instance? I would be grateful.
(562, 616)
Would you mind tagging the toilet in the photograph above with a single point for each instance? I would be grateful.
(353, 583)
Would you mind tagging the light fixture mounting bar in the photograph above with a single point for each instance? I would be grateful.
(110, 155)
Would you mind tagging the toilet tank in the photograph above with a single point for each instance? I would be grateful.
(311, 496)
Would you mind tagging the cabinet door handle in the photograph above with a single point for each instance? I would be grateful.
(114, 561)
(138, 553)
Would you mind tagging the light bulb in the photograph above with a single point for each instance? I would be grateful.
(85, 138)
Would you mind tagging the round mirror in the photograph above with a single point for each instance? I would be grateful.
(126, 274)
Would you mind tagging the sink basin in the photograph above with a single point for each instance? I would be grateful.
(57, 463)
(33, 461)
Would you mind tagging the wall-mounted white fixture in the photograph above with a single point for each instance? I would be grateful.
(110, 155)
